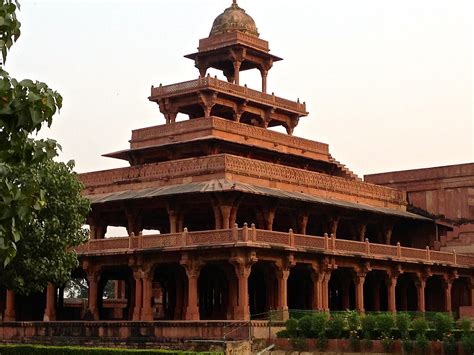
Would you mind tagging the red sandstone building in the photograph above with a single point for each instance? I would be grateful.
(249, 220)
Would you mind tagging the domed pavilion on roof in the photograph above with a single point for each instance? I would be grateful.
(244, 219)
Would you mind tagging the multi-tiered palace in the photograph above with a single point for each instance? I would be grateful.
(245, 219)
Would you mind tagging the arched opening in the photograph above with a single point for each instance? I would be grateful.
(155, 220)
(435, 294)
(73, 296)
(375, 291)
(341, 290)
(300, 287)
(30, 308)
(263, 289)
(114, 306)
(169, 292)
(345, 229)
(247, 213)
(406, 293)
(200, 217)
(284, 220)
(460, 294)
(213, 289)
(316, 226)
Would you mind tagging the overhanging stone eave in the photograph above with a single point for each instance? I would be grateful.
(225, 185)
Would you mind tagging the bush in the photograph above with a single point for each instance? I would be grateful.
(387, 344)
(443, 324)
(422, 343)
(353, 321)
(298, 343)
(305, 327)
(408, 346)
(464, 325)
(336, 326)
(283, 334)
(292, 327)
(403, 324)
(71, 350)
(449, 344)
(320, 321)
(467, 341)
(385, 323)
(420, 327)
(369, 326)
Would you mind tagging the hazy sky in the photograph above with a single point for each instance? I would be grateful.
(388, 84)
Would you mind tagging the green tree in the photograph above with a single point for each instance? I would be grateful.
(41, 209)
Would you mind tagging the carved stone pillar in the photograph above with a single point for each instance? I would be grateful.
(173, 220)
(317, 279)
(420, 289)
(50, 311)
(388, 234)
(359, 281)
(137, 309)
(361, 229)
(147, 310)
(264, 80)
(302, 223)
(269, 215)
(93, 277)
(243, 266)
(193, 269)
(9, 315)
(326, 276)
(332, 224)
(391, 288)
(448, 283)
(283, 272)
(237, 65)
(225, 212)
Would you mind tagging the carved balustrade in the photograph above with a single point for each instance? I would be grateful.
(226, 87)
(264, 238)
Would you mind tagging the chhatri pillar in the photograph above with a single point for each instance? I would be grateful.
(147, 283)
(93, 277)
(391, 283)
(243, 266)
(420, 290)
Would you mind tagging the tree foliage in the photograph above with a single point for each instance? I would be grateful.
(41, 209)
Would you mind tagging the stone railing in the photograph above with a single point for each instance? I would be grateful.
(225, 39)
(209, 82)
(164, 133)
(244, 167)
(262, 238)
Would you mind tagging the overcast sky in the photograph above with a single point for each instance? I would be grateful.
(388, 84)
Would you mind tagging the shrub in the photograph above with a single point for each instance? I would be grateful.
(464, 325)
(336, 326)
(467, 341)
(320, 321)
(387, 344)
(369, 326)
(322, 342)
(353, 321)
(408, 346)
(354, 342)
(422, 343)
(420, 327)
(449, 344)
(443, 324)
(283, 334)
(292, 327)
(403, 324)
(305, 327)
(385, 322)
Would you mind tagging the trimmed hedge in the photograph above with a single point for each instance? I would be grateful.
(74, 350)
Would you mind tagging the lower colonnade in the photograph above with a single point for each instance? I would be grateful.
(200, 286)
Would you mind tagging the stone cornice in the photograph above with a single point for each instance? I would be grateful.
(239, 169)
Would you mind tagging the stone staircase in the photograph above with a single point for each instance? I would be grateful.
(461, 239)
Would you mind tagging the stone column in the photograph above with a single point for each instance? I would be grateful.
(50, 311)
(420, 288)
(243, 266)
(325, 290)
(317, 279)
(362, 228)
(282, 276)
(225, 212)
(237, 71)
(147, 311)
(333, 222)
(193, 269)
(302, 223)
(269, 216)
(137, 309)
(388, 234)
(93, 280)
(359, 281)
(173, 219)
(264, 80)
(9, 315)
(391, 288)
(448, 283)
